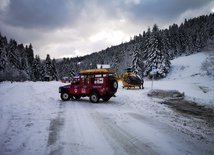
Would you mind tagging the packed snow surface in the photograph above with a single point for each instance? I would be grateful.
(34, 120)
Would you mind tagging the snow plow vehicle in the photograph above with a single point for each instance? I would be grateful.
(131, 80)
(95, 83)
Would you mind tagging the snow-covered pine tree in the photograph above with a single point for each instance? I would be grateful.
(30, 59)
(50, 69)
(54, 70)
(174, 40)
(156, 56)
(36, 69)
(43, 71)
(137, 62)
(64, 67)
(3, 59)
(116, 61)
(14, 55)
(24, 69)
(3, 56)
(146, 44)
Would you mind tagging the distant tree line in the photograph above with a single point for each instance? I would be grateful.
(152, 48)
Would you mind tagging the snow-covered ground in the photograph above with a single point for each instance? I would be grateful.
(34, 120)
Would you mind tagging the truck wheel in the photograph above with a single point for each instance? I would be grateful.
(113, 84)
(65, 96)
(94, 98)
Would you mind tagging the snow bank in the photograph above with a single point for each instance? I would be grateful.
(187, 76)
(166, 94)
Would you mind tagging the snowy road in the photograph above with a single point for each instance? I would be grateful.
(115, 128)
(35, 121)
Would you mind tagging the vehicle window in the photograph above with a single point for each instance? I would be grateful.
(98, 75)
(92, 80)
(98, 81)
(75, 81)
(85, 80)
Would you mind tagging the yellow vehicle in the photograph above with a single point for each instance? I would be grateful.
(131, 80)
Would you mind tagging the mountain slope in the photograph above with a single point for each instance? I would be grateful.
(187, 76)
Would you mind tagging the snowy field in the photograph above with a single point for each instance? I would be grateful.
(34, 120)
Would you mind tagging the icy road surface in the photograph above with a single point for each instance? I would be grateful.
(34, 120)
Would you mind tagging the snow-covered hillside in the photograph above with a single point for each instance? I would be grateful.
(187, 76)
(34, 120)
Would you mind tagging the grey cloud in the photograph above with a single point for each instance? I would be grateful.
(66, 26)
(164, 9)
(41, 13)
(60, 13)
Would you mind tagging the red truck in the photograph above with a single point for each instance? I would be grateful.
(95, 83)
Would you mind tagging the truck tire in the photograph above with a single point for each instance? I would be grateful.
(114, 85)
(65, 96)
(94, 97)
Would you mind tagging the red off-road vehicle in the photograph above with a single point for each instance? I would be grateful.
(95, 84)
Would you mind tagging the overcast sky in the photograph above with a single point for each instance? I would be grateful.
(69, 28)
